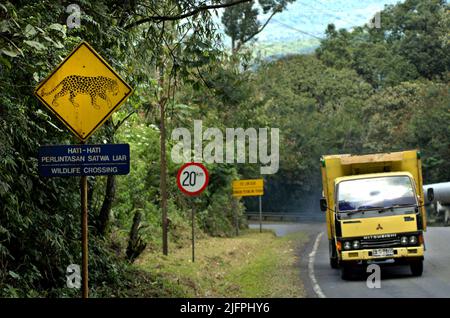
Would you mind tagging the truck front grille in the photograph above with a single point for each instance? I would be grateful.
(380, 242)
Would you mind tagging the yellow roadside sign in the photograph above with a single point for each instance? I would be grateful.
(83, 91)
(251, 187)
(247, 192)
(251, 183)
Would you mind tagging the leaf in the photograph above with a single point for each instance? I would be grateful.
(54, 126)
(56, 44)
(36, 76)
(30, 31)
(58, 27)
(4, 26)
(41, 114)
(29, 185)
(14, 275)
(4, 188)
(37, 45)
(40, 30)
(9, 53)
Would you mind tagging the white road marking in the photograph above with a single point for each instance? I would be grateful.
(312, 256)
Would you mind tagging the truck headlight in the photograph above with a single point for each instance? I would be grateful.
(347, 245)
(404, 240)
(413, 240)
(355, 245)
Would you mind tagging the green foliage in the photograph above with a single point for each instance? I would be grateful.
(412, 115)
(241, 22)
(140, 190)
(309, 103)
(39, 217)
(411, 42)
(418, 31)
(367, 90)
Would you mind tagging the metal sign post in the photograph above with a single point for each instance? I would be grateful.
(192, 180)
(84, 160)
(260, 214)
(193, 231)
(84, 237)
(236, 216)
(64, 93)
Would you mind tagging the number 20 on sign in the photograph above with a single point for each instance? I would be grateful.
(192, 178)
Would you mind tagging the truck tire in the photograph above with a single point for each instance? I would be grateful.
(346, 272)
(416, 267)
(334, 261)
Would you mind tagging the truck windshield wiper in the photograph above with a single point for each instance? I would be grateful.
(362, 209)
(352, 212)
(392, 207)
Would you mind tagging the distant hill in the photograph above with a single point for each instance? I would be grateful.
(279, 49)
(299, 28)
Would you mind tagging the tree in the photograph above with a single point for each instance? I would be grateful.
(418, 31)
(408, 116)
(411, 43)
(241, 21)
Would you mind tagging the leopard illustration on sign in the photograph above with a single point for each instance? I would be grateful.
(93, 86)
(83, 91)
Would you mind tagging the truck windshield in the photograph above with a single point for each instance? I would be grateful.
(375, 194)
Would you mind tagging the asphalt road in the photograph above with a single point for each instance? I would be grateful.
(396, 281)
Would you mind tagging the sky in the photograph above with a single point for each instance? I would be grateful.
(308, 19)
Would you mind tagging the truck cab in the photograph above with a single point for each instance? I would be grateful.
(374, 210)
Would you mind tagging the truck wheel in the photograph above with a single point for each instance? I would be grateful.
(334, 263)
(416, 267)
(346, 273)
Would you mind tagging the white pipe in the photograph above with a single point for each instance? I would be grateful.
(441, 192)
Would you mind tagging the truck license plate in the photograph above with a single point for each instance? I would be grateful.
(383, 252)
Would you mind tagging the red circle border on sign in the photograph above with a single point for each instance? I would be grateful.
(179, 177)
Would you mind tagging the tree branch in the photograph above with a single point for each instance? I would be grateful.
(160, 18)
(240, 43)
(120, 122)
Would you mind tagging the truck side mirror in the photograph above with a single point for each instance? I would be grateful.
(323, 204)
(430, 194)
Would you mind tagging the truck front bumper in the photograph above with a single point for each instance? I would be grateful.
(367, 254)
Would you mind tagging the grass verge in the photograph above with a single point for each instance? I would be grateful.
(251, 265)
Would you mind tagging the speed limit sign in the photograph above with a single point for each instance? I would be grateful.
(192, 178)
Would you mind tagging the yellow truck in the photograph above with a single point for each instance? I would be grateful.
(374, 208)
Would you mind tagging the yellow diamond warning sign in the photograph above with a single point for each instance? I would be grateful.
(83, 91)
